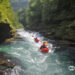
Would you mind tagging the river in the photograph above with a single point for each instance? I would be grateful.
(34, 62)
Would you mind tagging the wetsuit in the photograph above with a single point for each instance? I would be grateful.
(43, 46)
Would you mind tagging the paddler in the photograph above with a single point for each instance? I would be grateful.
(44, 45)
(36, 40)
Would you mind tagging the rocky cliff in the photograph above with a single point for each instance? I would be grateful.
(8, 20)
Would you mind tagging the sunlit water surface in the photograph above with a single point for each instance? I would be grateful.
(34, 62)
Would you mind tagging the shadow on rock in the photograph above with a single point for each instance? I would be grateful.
(8, 63)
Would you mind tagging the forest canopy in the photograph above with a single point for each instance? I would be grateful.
(53, 17)
(7, 14)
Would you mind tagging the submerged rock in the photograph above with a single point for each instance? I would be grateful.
(4, 65)
(7, 63)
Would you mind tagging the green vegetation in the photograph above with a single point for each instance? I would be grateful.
(8, 20)
(19, 4)
(22, 16)
(20, 7)
(34, 13)
(7, 15)
(54, 18)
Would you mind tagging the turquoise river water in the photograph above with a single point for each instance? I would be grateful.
(34, 62)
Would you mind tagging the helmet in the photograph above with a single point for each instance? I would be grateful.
(45, 43)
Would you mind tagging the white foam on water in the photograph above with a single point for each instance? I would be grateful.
(32, 56)
(16, 53)
(36, 63)
(16, 70)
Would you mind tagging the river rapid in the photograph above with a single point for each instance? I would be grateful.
(33, 62)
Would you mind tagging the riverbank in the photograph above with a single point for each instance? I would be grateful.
(55, 40)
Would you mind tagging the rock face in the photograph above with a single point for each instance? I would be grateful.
(4, 31)
(8, 64)
(8, 20)
(5, 63)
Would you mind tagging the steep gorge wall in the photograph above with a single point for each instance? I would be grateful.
(57, 18)
(4, 32)
(8, 20)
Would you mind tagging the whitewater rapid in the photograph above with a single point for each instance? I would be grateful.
(33, 62)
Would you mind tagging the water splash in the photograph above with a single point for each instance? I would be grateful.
(36, 63)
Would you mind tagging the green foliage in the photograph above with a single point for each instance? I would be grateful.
(19, 7)
(22, 16)
(7, 15)
(19, 4)
(34, 13)
(52, 16)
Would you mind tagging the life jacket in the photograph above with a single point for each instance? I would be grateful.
(43, 46)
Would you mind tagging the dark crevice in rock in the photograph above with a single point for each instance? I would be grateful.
(4, 31)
